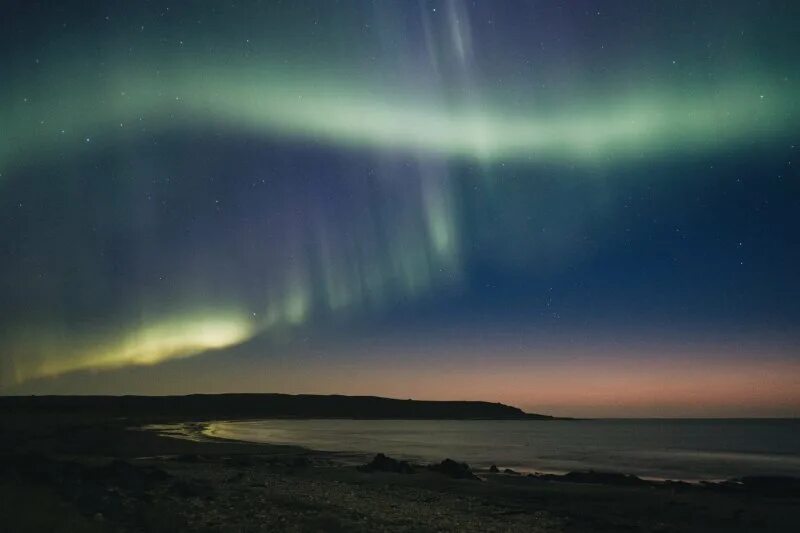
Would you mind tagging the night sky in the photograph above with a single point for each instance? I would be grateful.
(580, 208)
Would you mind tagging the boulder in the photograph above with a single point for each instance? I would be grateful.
(192, 489)
(384, 463)
(301, 462)
(454, 469)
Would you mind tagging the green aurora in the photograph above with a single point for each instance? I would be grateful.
(340, 110)
(355, 83)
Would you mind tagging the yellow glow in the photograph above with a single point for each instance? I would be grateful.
(148, 345)
(168, 341)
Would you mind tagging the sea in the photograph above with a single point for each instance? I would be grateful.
(679, 449)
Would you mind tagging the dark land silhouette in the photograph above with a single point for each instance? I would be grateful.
(241, 406)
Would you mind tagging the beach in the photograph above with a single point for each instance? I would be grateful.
(690, 450)
(81, 473)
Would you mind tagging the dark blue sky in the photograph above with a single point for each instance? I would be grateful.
(313, 195)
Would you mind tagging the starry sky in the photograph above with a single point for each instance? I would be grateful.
(580, 208)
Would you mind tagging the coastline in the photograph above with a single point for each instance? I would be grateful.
(94, 473)
(197, 432)
(489, 444)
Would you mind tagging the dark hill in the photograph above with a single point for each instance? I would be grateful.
(215, 406)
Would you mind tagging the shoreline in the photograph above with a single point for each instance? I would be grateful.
(197, 432)
(95, 473)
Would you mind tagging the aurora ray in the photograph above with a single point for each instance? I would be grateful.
(277, 184)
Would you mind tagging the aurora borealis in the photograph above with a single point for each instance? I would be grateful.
(589, 208)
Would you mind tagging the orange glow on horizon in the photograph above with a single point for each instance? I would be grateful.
(585, 387)
(625, 384)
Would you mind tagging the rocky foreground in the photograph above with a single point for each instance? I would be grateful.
(106, 477)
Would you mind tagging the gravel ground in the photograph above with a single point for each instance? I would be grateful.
(78, 475)
(270, 498)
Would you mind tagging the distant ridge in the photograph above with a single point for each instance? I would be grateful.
(232, 406)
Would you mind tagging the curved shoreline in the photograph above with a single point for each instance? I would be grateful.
(199, 432)
(133, 474)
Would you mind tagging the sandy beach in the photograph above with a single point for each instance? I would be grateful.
(82, 474)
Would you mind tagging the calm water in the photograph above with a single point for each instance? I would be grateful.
(671, 449)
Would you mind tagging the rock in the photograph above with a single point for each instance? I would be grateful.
(512, 472)
(239, 476)
(301, 462)
(493, 469)
(454, 469)
(192, 489)
(677, 486)
(383, 463)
